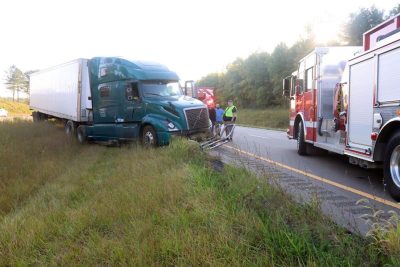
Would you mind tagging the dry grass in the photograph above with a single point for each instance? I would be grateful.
(15, 108)
(67, 204)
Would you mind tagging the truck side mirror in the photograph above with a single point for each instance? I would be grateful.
(286, 86)
(189, 88)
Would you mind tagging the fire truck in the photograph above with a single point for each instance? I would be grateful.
(204, 94)
(348, 102)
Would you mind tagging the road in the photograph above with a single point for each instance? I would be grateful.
(326, 175)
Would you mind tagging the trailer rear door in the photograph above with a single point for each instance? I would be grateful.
(361, 88)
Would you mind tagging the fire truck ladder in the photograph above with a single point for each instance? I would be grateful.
(219, 139)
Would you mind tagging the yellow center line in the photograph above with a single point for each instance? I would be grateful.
(318, 178)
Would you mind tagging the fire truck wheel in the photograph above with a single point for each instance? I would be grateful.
(301, 143)
(391, 167)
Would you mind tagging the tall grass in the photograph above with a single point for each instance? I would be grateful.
(93, 205)
(29, 157)
(275, 118)
(15, 108)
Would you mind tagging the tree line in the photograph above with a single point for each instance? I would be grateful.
(256, 81)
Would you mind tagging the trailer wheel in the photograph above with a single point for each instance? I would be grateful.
(391, 167)
(149, 137)
(35, 116)
(301, 143)
(69, 128)
(81, 134)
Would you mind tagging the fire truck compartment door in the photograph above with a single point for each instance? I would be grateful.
(360, 109)
(389, 76)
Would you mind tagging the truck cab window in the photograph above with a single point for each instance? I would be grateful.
(161, 89)
(309, 79)
(132, 92)
(293, 85)
(299, 87)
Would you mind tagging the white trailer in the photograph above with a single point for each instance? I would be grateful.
(62, 91)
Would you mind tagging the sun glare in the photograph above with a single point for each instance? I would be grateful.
(326, 32)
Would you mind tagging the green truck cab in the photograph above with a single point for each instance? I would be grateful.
(113, 99)
(134, 100)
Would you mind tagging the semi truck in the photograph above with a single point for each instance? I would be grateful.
(349, 103)
(113, 99)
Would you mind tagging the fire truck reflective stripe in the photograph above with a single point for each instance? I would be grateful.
(321, 179)
(309, 124)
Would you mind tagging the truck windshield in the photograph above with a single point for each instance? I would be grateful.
(162, 89)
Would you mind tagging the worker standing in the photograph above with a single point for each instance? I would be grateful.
(212, 116)
(219, 112)
(229, 118)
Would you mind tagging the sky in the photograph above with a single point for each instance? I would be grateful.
(193, 38)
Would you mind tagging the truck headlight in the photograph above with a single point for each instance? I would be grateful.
(171, 125)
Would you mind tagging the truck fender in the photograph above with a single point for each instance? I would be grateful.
(157, 121)
(388, 129)
(299, 117)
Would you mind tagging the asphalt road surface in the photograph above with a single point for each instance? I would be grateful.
(328, 175)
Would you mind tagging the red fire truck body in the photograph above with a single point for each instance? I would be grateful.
(349, 103)
(204, 93)
(312, 89)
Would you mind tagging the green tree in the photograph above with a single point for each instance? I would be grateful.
(281, 66)
(256, 81)
(211, 80)
(360, 22)
(28, 76)
(394, 11)
(16, 81)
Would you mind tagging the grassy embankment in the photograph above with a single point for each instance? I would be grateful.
(65, 204)
(274, 118)
(15, 108)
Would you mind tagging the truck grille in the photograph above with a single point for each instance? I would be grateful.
(197, 118)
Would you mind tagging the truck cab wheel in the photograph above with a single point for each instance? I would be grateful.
(69, 128)
(81, 134)
(301, 143)
(149, 137)
(391, 168)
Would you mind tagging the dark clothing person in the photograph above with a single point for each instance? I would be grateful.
(212, 115)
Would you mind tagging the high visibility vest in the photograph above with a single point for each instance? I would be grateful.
(228, 111)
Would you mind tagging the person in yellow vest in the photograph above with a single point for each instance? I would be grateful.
(229, 118)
